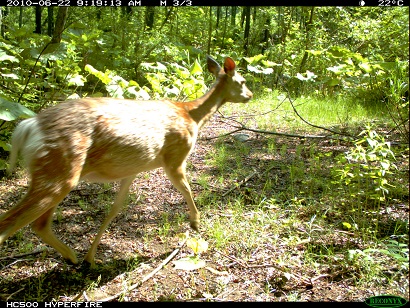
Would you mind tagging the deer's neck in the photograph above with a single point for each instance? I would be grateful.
(202, 109)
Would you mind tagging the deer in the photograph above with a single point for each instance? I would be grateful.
(110, 140)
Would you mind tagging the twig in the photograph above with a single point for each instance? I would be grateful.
(14, 293)
(310, 124)
(223, 135)
(245, 265)
(32, 72)
(285, 134)
(246, 180)
(240, 183)
(12, 263)
(242, 127)
(150, 275)
(24, 254)
(318, 277)
(232, 258)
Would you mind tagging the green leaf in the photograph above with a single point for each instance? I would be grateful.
(260, 70)
(337, 69)
(286, 62)
(268, 63)
(6, 57)
(77, 80)
(10, 76)
(3, 164)
(366, 67)
(189, 263)
(140, 94)
(10, 111)
(315, 52)
(333, 82)
(115, 90)
(347, 225)
(197, 245)
(255, 59)
(104, 77)
(5, 146)
(387, 66)
(309, 76)
(300, 77)
(339, 52)
(196, 69)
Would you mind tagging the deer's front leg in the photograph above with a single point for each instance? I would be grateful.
(178, 178)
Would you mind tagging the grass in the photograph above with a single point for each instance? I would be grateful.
(336, 111)
(313, 219)
(277, 216)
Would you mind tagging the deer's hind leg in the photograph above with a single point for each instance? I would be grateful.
(42, 227)
(37, 206)
(53, 176)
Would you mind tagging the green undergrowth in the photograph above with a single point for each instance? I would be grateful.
(303, 210)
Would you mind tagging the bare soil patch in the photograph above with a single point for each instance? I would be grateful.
(136, 243)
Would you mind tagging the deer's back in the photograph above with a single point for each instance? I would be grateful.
(114, 138)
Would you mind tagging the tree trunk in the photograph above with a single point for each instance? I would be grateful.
(60, 23)
(21, 17)
(247, 14)
(50, 21)
(167, 17)
(233, 16)
(307, 40)
(218, 17)
(126, 11)
(224, 30)
(243, 16)
(149, 17)
(1, 21)
(210, 31)
(38, 20)
(266, 35)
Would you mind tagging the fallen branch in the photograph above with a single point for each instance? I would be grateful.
(14, 293)
(244, 264)
(242, 127)
(240, 183)
(246, 180)
(24, 254)
(310, 124)
(285, 134)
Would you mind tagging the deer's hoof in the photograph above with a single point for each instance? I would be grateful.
(195, 225)
(71, 261)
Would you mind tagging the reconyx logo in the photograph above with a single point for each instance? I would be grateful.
(385, 301)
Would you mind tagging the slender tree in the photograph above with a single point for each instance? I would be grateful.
(308, 27)
(50, 21)
(149, 17)
(60, 24)
(247, 14)
(38, 19)
(233, 16)
(210, 31)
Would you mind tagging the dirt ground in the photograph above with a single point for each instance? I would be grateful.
(130, 250)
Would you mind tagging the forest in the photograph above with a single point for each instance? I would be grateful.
(303, 191)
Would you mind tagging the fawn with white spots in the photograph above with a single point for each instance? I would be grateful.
(106, 140)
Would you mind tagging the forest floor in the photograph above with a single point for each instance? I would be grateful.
(144, 235)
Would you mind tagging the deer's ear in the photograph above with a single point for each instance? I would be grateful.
(229, 67)
(213, 66)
